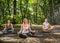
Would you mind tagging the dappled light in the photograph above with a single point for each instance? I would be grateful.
(30, 21)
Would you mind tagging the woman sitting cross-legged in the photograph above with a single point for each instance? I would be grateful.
(46, 26)
(8, 28)
(25, 29)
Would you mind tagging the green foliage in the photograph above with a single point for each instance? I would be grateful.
(5, 18)
(17, 19)
(34, 10)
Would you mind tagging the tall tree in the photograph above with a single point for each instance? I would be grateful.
(14, 7)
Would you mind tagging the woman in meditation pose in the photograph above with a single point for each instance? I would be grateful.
(46, 26)
(25, 29)
(8, 28)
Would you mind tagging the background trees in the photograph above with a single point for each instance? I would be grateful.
(35, 10)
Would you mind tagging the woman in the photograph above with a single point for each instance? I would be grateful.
(8, 28)
(46, 26)
(25, 29)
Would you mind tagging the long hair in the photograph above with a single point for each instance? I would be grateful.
(25, 19)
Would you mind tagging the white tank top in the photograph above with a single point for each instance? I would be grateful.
(25, 29)
(46, 25)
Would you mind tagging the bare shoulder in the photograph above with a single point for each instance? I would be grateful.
(28, 24)
(43, 23)
(11, 24)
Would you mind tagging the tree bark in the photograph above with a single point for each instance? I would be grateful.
(14, 7)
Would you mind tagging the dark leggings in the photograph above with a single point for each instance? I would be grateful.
(27, 34)
(8, 31)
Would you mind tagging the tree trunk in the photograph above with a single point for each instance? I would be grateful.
(14, 7)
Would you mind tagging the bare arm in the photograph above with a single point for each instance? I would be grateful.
(49, 25)
(12, 26)
(4, 28)
(30, 29)
(43, 26)
(21, 29)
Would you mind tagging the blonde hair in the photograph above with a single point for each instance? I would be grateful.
(25, 19)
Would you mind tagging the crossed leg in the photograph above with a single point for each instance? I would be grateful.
(48, 30)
